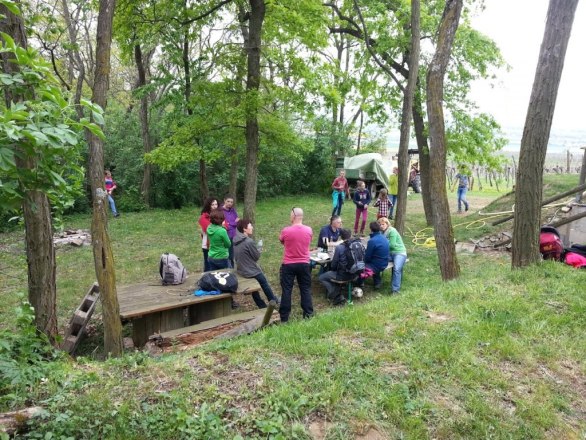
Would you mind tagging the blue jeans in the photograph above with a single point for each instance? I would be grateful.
(462, 198)
(398, 263)
(266, 288)
(289, 272)
(217, 264)
(340, 202)
(206, 264)
(112, 205)
(393, 198)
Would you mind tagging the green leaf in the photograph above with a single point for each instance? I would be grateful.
(11, 6)
(9, 41)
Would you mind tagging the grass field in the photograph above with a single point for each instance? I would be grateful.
(495, 354)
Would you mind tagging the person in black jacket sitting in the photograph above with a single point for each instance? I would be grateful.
(338, 270)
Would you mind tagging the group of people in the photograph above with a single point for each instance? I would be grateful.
(227, 239)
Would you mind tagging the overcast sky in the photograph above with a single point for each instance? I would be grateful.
(517, 27)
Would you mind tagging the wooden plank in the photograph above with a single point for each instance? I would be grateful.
(76, 329)
(245, 316)
(210, 310)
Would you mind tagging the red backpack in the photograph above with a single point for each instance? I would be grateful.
(550, 243)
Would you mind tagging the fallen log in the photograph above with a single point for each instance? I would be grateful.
(252, 325)
(566, 220)
(12, 421)
(573, 191)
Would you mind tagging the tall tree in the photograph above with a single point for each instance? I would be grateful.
(253, 76)
(408, 95)
(40, 250)
(141, 69)
(528, 190)
(442, 223)
(102, 246)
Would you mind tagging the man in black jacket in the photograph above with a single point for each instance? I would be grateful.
(338, 270)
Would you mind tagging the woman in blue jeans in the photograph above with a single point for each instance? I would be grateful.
(247, 254)
(397, 250)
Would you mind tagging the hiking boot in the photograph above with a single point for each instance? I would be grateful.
(466, 208)
(117, 214)
(340, 300)
(378, 286)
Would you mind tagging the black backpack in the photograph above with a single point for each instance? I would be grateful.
(354, 253)
(218, 280)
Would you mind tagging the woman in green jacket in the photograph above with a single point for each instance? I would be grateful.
(397, 252)
(219, 242)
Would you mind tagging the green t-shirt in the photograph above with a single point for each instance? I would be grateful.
(394, 184)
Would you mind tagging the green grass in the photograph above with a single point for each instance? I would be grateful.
(495, 354)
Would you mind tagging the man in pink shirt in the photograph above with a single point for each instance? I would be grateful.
(297, 240)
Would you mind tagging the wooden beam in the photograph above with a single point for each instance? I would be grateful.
(573, 191)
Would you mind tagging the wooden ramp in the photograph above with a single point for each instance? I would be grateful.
(76, 328)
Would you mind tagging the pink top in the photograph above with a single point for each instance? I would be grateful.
(341, 184)
(297, 239)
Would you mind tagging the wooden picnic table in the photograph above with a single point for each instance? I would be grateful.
(154, 308)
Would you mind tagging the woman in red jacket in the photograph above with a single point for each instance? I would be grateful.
(204, 221)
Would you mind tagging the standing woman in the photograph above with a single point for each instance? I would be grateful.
(231, 220)
(398, 255)
(219, 242)
(204, 221)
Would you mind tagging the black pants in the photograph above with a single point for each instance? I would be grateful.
(289, 272)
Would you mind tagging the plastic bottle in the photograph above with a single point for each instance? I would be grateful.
(259, 245)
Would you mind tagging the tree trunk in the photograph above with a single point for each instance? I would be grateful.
(203, 180)
(145, 187)
(257, 14)
(103, 257)
(423, 149)
(528, 189)
(444, 235)
(40, 250)
(74, 58)
(233, 180)
(403, 161)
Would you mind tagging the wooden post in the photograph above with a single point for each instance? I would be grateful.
(582, 175)
(269, 312)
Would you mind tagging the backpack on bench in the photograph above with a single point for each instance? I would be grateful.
(171, 269)
(218, 280)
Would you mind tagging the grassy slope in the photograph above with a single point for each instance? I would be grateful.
(494, 354)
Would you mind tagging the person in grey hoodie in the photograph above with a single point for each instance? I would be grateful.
(247, 255)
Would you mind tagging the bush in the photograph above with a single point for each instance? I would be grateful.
(25, 356)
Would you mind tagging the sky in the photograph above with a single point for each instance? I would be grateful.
(517, 27)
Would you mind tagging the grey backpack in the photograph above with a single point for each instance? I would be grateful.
(171, 269)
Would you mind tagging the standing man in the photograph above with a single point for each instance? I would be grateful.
(230, 221)
(341, 190)
(296, 239)
(393, 189)
(110, 186)
(463, 182)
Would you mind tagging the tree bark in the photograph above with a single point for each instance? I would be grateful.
(257, 14)
(145, 187)
(423, 149)
(40, 250)
(444, 235)
(103, 256)
(528, 189)
(403, 161)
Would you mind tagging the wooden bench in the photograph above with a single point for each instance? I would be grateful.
(154, 308)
